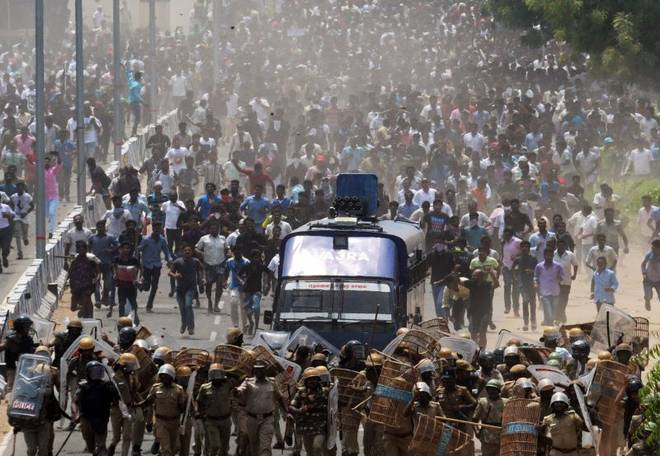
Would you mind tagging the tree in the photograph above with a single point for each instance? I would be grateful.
(621, 37)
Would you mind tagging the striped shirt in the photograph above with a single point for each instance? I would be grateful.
(212, 172)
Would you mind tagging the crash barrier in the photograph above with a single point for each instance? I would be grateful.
(39, 288)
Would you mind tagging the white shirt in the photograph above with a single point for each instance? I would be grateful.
(231, 239)
(567, 261)
(274, 265)
(21, 204)
(172, 213)
(177, 158)
(643, 218)
(285, 229)
(167, 181)
(116, 224)
(213, 248)
(474, 142)
(5, 222)
(421, 196)
(74, 235)
(589, 228)
(178, 83)
(640, 159)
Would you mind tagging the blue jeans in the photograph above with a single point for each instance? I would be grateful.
(185, 300)
(253, 306)
(438, 295)
(550, 306)
(52, 205)
(108, 295)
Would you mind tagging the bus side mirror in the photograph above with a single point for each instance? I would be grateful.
(268, 317)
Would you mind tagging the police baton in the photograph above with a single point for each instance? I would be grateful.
(68, 436)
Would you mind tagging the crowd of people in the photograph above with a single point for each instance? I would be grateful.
(505, 157)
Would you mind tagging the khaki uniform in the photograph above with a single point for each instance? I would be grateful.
(122, 427)
(260, 401)
(312, 425)
(169, 402)
(214, 409)
(349, 423)
(565, 431)
(456, 403)
(372, 438)
(489, 412)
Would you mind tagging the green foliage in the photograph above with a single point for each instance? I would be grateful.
(621, 37)
(650, 399)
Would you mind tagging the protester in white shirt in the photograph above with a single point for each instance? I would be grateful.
(426, 193)
(213, 249)
(116, 218)
(177, 156)
(640, 159)
(173, 210)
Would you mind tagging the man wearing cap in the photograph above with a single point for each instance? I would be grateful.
(515, 373)
(63, 340)
(169, 402)
(422, 403)
(489, 411)
(213, 406)
(259, 395)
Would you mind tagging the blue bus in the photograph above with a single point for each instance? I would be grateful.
(351, 277)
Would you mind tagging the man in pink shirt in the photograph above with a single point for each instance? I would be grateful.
(53, 168)
(510, 251)
(24, 141)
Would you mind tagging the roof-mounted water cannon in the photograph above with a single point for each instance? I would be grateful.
(357, 196)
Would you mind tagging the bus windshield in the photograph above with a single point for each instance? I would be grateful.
(336, 299)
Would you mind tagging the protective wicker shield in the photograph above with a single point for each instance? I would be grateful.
(640, 337)
(611, 325)
(468, 349)
(349, 396)
(519, 420)
(192, 357)
(437, 327)
(606, 392)
(435, 438)
(147, 370)
(261, 353)
(392, 394)
(420, 342)
(143, 333)
(535, 355)
(234, 358)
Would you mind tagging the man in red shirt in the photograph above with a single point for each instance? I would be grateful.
(256, 176)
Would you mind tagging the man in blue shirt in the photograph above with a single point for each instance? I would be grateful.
(206, 202)
(104, 247)
(136, 206)
(281, 200)
(474, 233)
(135, 99)
(256, 207)
(408, 207)
(150, 250)
(237, 268)
(603, 284)
(539, 239)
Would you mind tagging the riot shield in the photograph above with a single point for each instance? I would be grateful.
(434, 438)
(33, 381)
(466, 348)
(275, 341)
(607, 390)
(505, 335)
(611, 326)
(310, 338)
(519, 420)
(392, 346)
(43, 329)
(438, 327)
(541, 371)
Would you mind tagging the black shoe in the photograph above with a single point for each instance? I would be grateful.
(109, 314)
(171, 294)
(216, 309)
(278, 446)
(5, 262)
(155, 447)
(19, 256)
(492, 326)
(506, 311)
(191, 332)
(182, 329)
(111, 450)
(150, 310)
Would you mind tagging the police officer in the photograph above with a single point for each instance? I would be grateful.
(214, 409)
(77, 367)
(580, 350)
(162, 355)
(455, 400)
(422, 403)
(310, 410)
(169, 403)
(563, 427)
(427, 372)
(235, 337)
(489, 411)
(372, 438)
(18, 341)
(259, 394)
(352, 356)
(515, 372)
(183, 376)
(546, 388)
(122, 426)
(63, 340)
(126, 339)
(94, 398)
(511, 358)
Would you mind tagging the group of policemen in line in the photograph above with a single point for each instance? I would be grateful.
(202, 404)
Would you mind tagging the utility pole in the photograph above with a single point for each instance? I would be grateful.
(80, 95)
(41, 145)
(153, 78)
(216, 41)
(118, 128)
